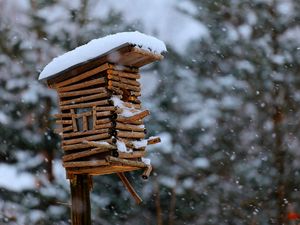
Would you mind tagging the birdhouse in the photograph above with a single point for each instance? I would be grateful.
(101, 116)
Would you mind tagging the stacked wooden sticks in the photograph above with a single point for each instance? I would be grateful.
(102, 122)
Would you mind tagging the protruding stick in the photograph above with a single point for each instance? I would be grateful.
(128, 186)
(154, 140)
(147, 172)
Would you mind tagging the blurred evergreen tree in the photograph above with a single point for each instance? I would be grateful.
(232, 115)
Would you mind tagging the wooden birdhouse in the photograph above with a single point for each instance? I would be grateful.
(101, 115)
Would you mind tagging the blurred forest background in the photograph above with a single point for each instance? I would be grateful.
(225, 100)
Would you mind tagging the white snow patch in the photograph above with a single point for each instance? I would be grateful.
(245, 31)
(122, 147)
(285, 8)
(102, 143)
(14, 180)
(3, 118)
(126, 112)
(149, 83)
(168, 181)
(117, 101)
(245, 65)
(188, 183)
(101, 46)
(147, 161)
(140, 144)
(60, 173)
(15, 83)
(201, 163)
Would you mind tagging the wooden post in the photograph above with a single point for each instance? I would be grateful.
(80, 195)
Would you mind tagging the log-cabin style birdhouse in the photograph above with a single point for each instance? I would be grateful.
(101, 115)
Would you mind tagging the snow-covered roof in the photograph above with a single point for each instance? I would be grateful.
(101, 46)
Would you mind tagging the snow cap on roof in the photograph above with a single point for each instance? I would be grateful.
(99, 47)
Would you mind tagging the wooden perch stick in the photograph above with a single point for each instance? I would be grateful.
(130, 134)
(82, 76)
(138, 116)
(85, 153)
(130, 189)
(147, 172)
(126, 162)
(85, 163)
(82, 92)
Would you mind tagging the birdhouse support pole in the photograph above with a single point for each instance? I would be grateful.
(80, 197)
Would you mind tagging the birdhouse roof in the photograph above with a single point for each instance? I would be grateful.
(127, 48)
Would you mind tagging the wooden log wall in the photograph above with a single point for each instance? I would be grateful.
(92, 126)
